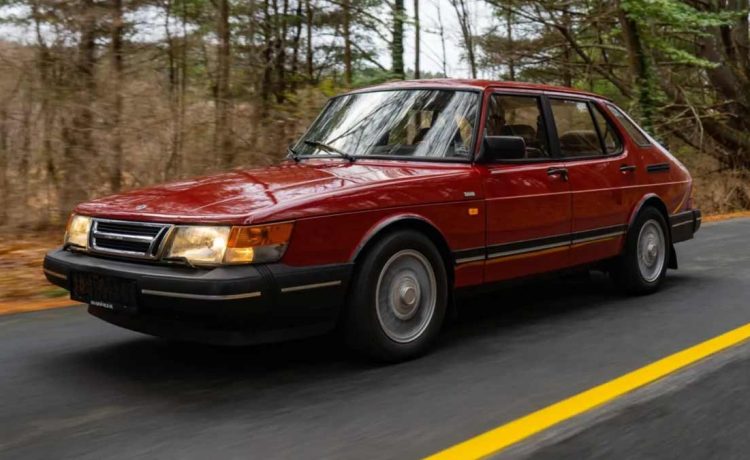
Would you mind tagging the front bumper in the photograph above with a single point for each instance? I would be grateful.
(685, 225)
(226, 305)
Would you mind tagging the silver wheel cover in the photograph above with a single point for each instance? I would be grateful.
(652, 250)
(406, 296)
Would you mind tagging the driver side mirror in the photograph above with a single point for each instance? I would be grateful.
(499, 148)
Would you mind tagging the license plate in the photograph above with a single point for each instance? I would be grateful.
(104, 291)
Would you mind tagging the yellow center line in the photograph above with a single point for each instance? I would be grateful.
(497, 439)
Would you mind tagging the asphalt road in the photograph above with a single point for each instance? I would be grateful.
(73, 386)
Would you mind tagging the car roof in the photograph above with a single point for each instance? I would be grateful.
(451, 83)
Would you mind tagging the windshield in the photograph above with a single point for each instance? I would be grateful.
(405, 123)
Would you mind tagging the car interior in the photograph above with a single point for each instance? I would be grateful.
(519, 116)
(406, 138)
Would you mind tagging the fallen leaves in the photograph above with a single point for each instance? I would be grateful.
(21, 275)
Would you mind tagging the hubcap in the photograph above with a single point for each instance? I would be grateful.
(405, 296)
(651, 251)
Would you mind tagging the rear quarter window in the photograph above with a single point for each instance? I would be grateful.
(635, 132)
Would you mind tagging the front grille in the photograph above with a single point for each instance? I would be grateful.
(130, 239)
(128, 228)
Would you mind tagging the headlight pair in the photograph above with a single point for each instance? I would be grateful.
(207, 245)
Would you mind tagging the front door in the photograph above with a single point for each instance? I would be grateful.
(528, 200)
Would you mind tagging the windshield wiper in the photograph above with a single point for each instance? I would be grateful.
(330, 148)
(293, 153)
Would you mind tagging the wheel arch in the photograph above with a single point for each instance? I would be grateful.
(408, 222)
(656, 202)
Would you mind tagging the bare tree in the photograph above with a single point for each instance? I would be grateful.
(441, 32)
(117, 70)
(222, 123)
(464, 21)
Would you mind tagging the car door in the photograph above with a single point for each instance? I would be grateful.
(602, 177)
(528, 201)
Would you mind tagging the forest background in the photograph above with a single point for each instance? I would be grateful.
(99, 96)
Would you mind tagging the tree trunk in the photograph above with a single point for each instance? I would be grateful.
(441, 31)
(464, 21)
(509, 31)
(308, 29)
(177, 57)
(48, 109)
(280, 53)
(346, 12)
(397, 43)
(117, 69)
(296, 43)
(639, 68)
(222, 128)
(567, 71)
(417, 40)
(267, 80)
(79, 151)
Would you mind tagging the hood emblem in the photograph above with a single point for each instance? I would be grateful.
(140, 207)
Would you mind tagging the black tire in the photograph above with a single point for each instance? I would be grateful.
(363, 327)
(629, 275)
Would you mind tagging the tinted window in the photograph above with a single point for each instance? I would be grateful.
(402, 123)
(575, 129)
(612, 142)
(519, 116)
(635, 132)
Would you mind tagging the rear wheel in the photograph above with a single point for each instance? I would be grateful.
(643, 265)
(398, 298)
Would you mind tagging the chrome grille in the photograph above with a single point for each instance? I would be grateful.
(131, 239)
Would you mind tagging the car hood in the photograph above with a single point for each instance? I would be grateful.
(288, 191)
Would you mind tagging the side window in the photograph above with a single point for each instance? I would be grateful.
(575, 129)
(633, 130)
(612, 143)
(519, 116)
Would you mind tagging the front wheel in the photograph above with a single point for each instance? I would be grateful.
(643, 265)
(398, 298)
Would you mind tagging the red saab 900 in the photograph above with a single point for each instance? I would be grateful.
(397, 198)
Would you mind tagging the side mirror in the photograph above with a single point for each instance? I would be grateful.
(498, 148)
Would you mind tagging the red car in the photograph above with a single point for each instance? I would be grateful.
(396, 199)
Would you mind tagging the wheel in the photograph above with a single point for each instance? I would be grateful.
(643, 264)
(398, 298)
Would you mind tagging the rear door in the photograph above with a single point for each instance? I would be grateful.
(602, 177)
(528, 201)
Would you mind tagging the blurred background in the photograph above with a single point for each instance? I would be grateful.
(98, 96)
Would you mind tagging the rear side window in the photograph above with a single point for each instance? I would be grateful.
(635, 132)
(576, 131)
(612, 143)
(519, 116)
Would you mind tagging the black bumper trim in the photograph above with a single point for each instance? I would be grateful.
(684, 225)
(232, 305)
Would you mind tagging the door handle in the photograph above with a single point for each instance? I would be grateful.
(627, 168)
(562, 172)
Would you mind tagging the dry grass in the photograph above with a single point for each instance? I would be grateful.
(717, 190)
(21, 274)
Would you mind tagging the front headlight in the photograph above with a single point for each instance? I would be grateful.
(77, 232)
(199, 245)
(213, 246)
